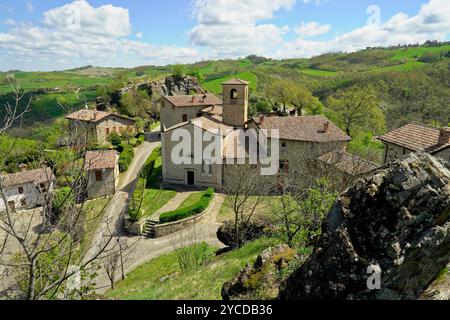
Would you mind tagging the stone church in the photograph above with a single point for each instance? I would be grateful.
(314, 136)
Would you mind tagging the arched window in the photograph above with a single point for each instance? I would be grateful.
(234, 94)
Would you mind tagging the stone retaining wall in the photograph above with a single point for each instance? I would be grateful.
(164, 229)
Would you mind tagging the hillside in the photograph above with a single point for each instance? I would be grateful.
(412, 81)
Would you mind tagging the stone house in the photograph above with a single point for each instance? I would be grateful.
(102, 169)
(98, 124)
(301, 138)
(178, 109)
(415, 137)
(26, 189)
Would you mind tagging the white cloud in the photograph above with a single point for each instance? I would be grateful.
(30, 7)
(9, 22)
(312, 29)
(80, 16)
(78, 34)
(231, 28)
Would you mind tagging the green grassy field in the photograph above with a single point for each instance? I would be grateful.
(216, 87)
(318, 73)
(193, 198)
(414, 53)
(162, 278)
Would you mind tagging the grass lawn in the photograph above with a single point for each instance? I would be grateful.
(162, 278)
(216, 87)
(318, 73)
(155, 197)
(94, 211)
(193, 198)
(263, 211)
(413, 53)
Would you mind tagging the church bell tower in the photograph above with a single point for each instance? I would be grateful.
(235, 102)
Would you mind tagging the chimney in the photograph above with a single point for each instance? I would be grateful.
(326, 126)
(23, 167)
(444, 136)
(261, 120)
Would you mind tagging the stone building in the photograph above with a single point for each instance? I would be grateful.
(102, 169)
(178, 109)
(301, 138)
(26, 189)
(416, 137)
(98, 124)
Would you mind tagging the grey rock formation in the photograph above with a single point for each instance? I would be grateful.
(261, 276)
(169, 86)
(396, 221)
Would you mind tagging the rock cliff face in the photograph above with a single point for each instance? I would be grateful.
(397, 221)
(169, 86)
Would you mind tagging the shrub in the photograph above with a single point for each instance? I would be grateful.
(126, 157)
(63, 198)
(115, 139)
(197, 208)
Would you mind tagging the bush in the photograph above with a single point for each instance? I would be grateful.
(115, 139)
(126, 157)
(183, 213)
(63, 198)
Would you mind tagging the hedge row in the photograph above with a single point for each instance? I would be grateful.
(126, 156)
(197, 208)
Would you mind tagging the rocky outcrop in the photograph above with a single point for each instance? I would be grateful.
(260, 280)
(169, 86)
(250, 231)
(397, 221)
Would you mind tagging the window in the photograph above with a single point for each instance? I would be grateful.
(98, 176)
(283, 145)
(23, 202)
(43, 188)
(107, 131)
(20, 189)
(233, 94)
(185, 117)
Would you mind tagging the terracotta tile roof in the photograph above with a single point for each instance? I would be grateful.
(305, 128)
(101, 159)
(37, 176)
(349, 163)
(208, 123)
(235, 81)
(195, 100)
(89, 115)
(416, 137)
(213, 110)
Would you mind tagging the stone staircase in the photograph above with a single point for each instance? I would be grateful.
(149, 229)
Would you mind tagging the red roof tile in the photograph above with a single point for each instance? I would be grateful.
(416, 137)
(101, 159)
(89, 115)
(37, 176)
(305, 128)
(195, 100)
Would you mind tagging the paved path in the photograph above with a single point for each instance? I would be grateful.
(113, 219)
(145, 249)
(173, 204)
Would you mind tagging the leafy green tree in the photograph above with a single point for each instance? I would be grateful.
(303, 100)
(178, 72)
(358, 108)
(279, 93)
(135, 103)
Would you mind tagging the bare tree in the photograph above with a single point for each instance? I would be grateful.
(245, 189)
(42, 249)
(111, 261)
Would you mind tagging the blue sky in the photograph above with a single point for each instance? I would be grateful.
(58, 34)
